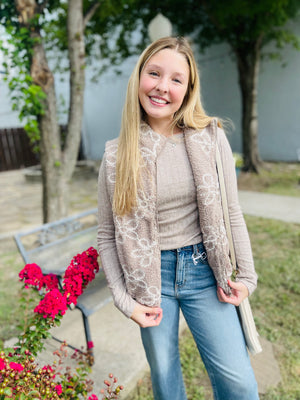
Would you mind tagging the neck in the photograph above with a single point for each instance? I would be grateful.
(164, 128)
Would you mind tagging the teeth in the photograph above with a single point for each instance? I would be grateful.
(159, 101)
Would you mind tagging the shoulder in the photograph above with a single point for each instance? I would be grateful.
(221, 136)
(108, 164)
(111, 149)
(111, 145)
(217, 132)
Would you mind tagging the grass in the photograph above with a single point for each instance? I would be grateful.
(275, 305)
(276, 301)
(10, 315)
(277, 178)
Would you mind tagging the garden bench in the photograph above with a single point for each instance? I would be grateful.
(53, 245)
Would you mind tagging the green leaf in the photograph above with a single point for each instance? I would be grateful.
(33, 393)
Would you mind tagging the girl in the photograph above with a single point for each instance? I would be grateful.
(161, 237)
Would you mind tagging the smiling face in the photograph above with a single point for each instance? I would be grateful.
(163, 85)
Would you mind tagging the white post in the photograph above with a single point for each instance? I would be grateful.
(159, 27)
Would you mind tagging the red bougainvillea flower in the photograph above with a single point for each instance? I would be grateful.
(52, 304)
(90, 345)
(2, 364)
(79, 273)
(32, 275)
(58, 389)
(50, 282)
(16, 366)
(47, 368)
(93, 397)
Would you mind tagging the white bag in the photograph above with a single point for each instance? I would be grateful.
(244, 309)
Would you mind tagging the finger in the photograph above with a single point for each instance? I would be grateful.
(151, 310)
(149, 323)
(155, 314)
(221, 295)
(151, 320)
(239, 289)
(159, 317)
(234, 285)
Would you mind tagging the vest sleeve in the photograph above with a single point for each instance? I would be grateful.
(241, 241)
(107, 248)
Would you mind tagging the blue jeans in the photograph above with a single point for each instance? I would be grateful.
(189, 284)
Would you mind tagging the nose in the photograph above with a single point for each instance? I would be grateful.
(162, 85)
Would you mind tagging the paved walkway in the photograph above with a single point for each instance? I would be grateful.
(270, 206)
(117, 341)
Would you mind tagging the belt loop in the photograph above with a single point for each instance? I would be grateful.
(195, 250)
(196, 255)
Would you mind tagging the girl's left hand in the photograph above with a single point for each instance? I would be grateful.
(239, 292)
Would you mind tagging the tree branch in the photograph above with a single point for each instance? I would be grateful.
(90, 12)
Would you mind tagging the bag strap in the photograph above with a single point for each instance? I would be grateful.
(225, 207)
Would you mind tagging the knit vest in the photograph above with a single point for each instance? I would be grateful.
(136, 234)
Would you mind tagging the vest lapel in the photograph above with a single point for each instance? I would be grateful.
(201, 150)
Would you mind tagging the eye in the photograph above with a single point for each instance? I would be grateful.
(177, 80)
(153, 73)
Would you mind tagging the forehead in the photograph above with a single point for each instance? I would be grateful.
(171, 59)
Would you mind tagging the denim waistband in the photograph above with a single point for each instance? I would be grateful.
(192, 247)
(197, 250)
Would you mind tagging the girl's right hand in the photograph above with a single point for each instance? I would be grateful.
(146, 316)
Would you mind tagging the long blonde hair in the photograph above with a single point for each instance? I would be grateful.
(191, 114)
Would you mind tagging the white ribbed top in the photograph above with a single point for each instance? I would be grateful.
(178, 217)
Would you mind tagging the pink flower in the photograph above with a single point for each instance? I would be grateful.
(16, 366)
(93, 397)
(58, 389)
(90, 345)
(52, 304)
(2, 363)
(31, 274)
(50, 282)
(79, 273)
(47, 368)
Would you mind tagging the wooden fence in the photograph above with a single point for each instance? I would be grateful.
(15, 150)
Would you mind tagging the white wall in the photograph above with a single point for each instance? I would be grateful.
(8, 118)
(278, 100)
(103, 109)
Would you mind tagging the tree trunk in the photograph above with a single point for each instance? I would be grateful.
(54, 205)
(248, 61)
(76, 50)
(58, 164)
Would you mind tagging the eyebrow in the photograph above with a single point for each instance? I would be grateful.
(155, 66)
